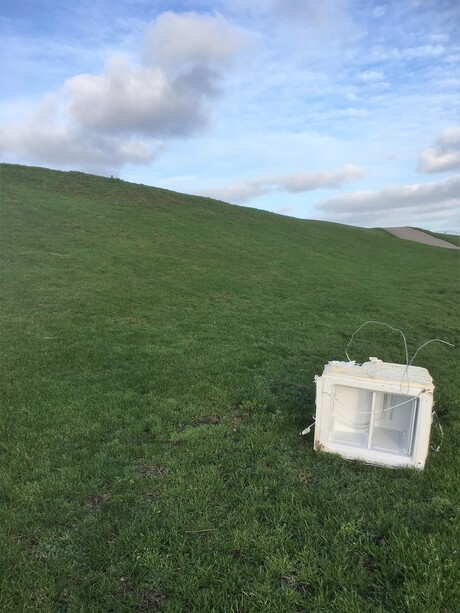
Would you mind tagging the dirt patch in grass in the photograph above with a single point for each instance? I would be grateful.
(293, 582)
(96, 500)
(151, 599)
(209, 420)
(152, 496)
(307, 477)
(179, 442)
(152, 470)
(234, 423)
(369, 563)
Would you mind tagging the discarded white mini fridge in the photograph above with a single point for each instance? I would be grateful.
(377, 412)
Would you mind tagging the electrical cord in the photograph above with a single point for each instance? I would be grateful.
(408, 363)
(436, 449)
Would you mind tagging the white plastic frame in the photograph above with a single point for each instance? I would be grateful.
(378, 412)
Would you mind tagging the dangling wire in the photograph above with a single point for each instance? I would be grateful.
(408, 363)
(436, 449)
(433, 340)
(378, 323)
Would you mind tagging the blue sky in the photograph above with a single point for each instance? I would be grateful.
(341, 110)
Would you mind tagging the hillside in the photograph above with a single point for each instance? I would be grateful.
(157, 366)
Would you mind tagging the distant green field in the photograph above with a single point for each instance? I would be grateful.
(158, 356)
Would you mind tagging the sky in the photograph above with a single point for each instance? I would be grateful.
(337, 110)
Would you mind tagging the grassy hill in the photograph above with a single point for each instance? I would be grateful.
(157, 366)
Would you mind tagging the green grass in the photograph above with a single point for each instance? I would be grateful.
(157, 366)
(450, 238)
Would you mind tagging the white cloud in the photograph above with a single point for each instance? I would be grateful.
(191, 39)
(332, 15)
(308, 181)
(424, 51)
(445, 155)
(286, 210)
(45, 137)
(408, 53)
(371, 75)
(131, 99)
(242, 191)
(306, 27)
(111, 118)
(379, 11)
(396, 205)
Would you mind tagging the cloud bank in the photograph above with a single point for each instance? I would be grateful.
(396, 205)
(445, 155)
(106, 120)
(242, 191)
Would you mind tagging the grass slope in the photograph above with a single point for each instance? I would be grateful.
(158, 360)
